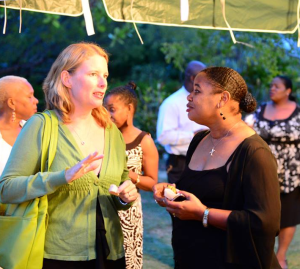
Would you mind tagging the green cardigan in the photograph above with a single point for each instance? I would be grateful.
(71, 230)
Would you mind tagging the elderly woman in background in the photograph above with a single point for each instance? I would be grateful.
(278, 123)
(17, 103)
(231, 213)
(84, 229)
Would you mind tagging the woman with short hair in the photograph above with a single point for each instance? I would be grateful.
(17, 104)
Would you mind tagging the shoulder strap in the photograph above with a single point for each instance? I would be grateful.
(136, 141)
(49, 139)
(194, 143)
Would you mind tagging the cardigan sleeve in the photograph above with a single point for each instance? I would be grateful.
(125, 174)
(251, 230)
(21, 179)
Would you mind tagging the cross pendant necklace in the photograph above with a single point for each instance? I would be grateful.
(212, 151)
(214, 146)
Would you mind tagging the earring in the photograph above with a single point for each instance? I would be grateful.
(13, 115)
(222, 115)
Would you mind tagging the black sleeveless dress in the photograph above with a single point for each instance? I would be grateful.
(195, 246)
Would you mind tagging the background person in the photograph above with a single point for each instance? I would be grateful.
(17, 103)
(174, 129)
(121, 102)
(84, 229)
(278, 123)
(230, 182)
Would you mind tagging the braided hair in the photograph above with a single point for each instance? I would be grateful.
(227, 79)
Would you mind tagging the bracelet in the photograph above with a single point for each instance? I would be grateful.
(137, 180)
(205, 217)
(122, 202)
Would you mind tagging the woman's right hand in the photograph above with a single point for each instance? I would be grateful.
(158, 193)
(84, 166)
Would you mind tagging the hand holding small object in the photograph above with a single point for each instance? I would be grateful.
(190, 209)
(158, 193)
(127, 191)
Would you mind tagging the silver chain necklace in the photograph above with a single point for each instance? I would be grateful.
(220, 139)
(82, 142)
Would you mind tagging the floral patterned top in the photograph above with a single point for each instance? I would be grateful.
(283, 137)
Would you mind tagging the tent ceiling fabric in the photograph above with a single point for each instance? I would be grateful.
(247, 15)
(59, 7)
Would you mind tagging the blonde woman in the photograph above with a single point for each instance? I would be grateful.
(84, 229)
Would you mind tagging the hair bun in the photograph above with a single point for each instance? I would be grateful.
(131, 85)
(248, 104)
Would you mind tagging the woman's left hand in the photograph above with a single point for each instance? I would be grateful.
(190, 209)
(128, 192)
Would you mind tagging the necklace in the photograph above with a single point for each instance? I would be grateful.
(82, 142)
(220, 139)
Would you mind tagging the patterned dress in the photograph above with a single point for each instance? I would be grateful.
(283, 137)
(132, 219)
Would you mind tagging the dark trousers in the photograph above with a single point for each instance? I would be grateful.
(175, 167)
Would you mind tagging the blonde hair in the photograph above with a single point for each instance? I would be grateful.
(9, 84)
(57, 95)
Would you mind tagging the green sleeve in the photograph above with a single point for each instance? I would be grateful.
(21, 179)
(125, 175)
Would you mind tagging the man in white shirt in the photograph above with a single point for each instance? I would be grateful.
(174, 129)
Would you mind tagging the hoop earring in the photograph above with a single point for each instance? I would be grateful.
(13, 115)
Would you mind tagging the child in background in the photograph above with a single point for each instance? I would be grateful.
(121, 102)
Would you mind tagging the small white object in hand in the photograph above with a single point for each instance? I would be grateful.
(171, 193)
(113, 189)
(168, 193)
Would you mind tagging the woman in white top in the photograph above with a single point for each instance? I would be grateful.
(17, 103)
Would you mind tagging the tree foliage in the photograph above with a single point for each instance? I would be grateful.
(157, 66)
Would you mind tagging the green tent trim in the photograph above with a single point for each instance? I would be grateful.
(275, 16)
(66, 7)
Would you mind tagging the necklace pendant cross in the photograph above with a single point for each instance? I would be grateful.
(212, 151)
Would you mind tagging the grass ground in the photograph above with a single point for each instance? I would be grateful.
(158, 252)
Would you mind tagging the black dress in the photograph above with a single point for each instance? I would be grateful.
(202, 246)
(250, 190)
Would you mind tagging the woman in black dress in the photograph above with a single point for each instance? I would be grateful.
(232, 212)
(278, 123)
